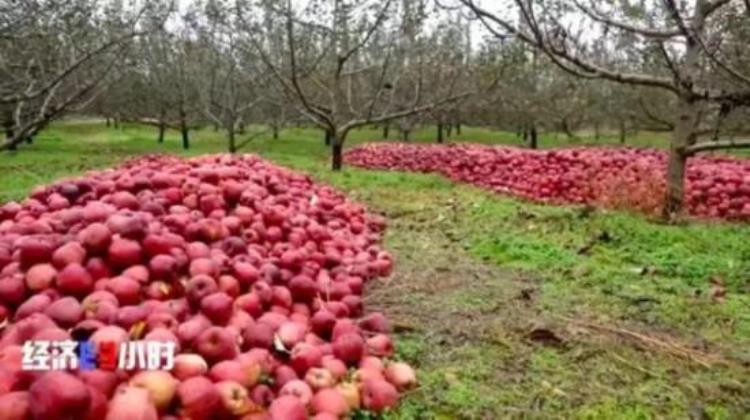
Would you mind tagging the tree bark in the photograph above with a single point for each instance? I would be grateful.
(533, 137)
(405, 135)
(386, 129)
(231, 137)
(275, 128)
(622, 132)
(440, 132)
(328, 137)
(162, 126)
(29, 140)
(597, 133)
(116, 123)
(184, 130)
(109, 123)
(684, 135)
(458, 128)
(337, 158)
(449, 130)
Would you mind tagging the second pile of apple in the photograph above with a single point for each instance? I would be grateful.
(253, 271)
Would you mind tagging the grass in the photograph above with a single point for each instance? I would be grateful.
(509, 309)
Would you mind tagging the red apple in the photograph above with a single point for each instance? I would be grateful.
(75, 280)
(378, 395)
(329, 401)
(217, 307)
(131, 403)
(59, 395)
(298, 389)
(287, 408)
(188, 365)
(199, 399)
(216, 344)
(40, 277)
(349, 348)
(161, 386)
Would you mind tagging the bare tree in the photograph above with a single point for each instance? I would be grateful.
(58, 56)
(338, 62)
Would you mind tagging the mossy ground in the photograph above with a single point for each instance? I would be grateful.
(509, 309)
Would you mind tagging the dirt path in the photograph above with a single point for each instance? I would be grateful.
(487, 348)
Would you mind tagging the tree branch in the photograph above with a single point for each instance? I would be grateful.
(716, 145)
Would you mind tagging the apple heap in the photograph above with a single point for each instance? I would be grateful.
(716, 187)
(253, 271)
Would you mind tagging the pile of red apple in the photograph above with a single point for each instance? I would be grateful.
(716, 187)
(253, 271)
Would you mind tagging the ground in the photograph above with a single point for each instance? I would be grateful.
(510, 309)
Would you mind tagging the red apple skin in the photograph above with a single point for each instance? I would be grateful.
(329, 401)
(335, 366)
(15, 406)
(131, 403)
(40, 277)
(299, 389)
(226, 370)
(66, 311)
(102, 380)
(380, 345)
(349, 348)
(217, 307)
(400, 375)
(235, 398)
(161, 387)
(12, 290)
(127, 290)
(287, 408)
(199, 399)
(305, 356)
(35, 304)
(319, 378)
(189, 365)
(189, 330)
(124, 253)
(96, 238)
(75, 280)
(98, 407)
(216, 344)
(378, 395)
(69, 253)
(59, 395)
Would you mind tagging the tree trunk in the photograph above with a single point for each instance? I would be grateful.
(328, 137)
(405, 135)
(109, 123)
(458, 128)
(525, 133)
(684, 135)
(232, 143)
(29, 139)
(533, 137)
(622, 132)
(116, 122)
(184, 130)
(597, 134)
(275, 128)
(449, 130)
(440, 132)
(386, 129)
(337, 158)
(216, 127)
(162, 126)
